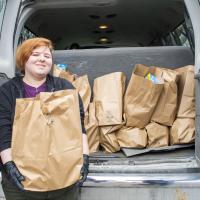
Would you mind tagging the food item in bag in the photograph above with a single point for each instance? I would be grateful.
(141, 97)
(61, 71)
(62, 66)
(152, 78)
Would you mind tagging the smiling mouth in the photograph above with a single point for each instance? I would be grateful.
(41, 65)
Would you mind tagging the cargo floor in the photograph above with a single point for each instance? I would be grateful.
(180, 160)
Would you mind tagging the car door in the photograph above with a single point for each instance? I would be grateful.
(8, 20)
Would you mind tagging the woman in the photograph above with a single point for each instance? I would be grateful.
(34, 59)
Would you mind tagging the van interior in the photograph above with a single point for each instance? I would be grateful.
(109, 23)
(97, 37)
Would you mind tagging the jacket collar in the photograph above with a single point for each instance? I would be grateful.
(18, 84)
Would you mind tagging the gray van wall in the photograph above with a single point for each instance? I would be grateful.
(98, 62)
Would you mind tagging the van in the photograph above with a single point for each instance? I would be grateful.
(97, 37)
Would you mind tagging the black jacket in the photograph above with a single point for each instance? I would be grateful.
(13, 89)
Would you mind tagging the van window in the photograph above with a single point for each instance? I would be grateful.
(25, 34)
(2, 9)
(178, 37)
(182, 35)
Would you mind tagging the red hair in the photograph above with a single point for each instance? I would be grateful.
(26, 48)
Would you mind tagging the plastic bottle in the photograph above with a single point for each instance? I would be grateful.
(62, 66)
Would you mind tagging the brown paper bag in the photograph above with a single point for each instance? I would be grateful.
(108, 137)
(108, 96)
(165, 111)
(63, 74)
(141, 97)
(91, 126)
(109, 142)
(182, 131)
(158, 135)
(132, 137)
(110, 129)
(46, 133)
(82, 85)
(186, 91)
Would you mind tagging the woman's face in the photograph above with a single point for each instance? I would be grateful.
(39, 63)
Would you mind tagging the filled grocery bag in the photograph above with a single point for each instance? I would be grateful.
(166, 108)
(108, 97)
(46, 133)
(141, 97)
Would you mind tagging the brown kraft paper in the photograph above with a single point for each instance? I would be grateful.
(186, 93)
(158, 135)
(165, 111)
(108, 98)
(109, 129)
(92, 129)
(141, 97)
(82, 85)
(182, 131)
(63, 74)
(109, 142)
(46, 133)
(132, 137)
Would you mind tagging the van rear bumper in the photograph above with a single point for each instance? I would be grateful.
(141, 180)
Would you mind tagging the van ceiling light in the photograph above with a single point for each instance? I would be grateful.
(103, 26)
(103, 40)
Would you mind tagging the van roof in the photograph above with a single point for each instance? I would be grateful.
(129, 22)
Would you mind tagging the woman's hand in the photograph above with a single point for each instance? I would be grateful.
(14, 174)
(84, 169)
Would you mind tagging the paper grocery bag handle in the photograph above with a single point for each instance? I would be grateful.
(58, 104)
